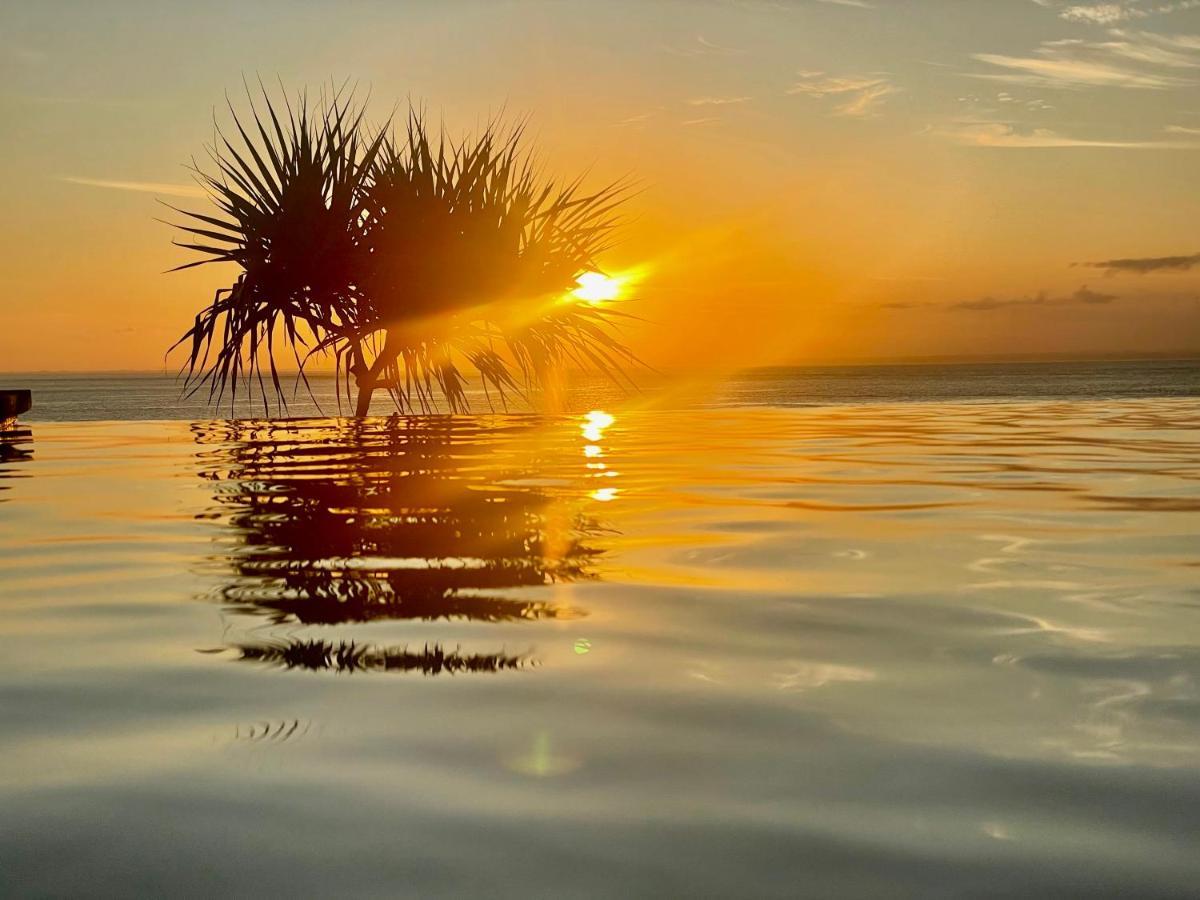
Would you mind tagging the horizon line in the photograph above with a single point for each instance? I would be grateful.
(831, 363)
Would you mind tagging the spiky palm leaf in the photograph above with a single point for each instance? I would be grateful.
(287, 189)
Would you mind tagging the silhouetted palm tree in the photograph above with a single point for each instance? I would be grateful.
(413, 260)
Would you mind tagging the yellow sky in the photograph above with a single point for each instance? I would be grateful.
(823, 180)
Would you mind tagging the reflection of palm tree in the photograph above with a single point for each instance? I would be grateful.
(347, 656)
(383, 519)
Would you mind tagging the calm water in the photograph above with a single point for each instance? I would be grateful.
(88, 397)
(870, 649)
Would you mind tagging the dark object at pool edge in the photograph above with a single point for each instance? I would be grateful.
(12, 404)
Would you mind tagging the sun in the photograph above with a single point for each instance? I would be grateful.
(596, 287)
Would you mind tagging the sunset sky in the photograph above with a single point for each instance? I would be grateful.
(823, 179)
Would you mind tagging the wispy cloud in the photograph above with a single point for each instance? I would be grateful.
(1084, 295)
(1181, 129)
(145, 187)
(859, 4)
(857, 95)
(1056, 67)
(1146, 265)
(713, 47)
(1112, 13)
(1007, 135)
(702, 46)
(1177, 41)
(1137, 59)
(1095, 14)
(635, 119)
(1150, 53)
(716, 101)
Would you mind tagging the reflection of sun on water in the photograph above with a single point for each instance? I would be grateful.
(594, 424)
(592, 428)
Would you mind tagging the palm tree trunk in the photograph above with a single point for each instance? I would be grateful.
(368, 380)
(363, 406)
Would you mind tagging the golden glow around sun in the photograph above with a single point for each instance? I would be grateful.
(596, 287)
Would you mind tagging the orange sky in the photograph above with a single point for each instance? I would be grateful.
(823, 180)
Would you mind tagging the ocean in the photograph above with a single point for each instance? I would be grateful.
(878, 631)
(75, 397)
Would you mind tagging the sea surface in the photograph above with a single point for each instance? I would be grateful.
(902, 632)
(74, 397)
